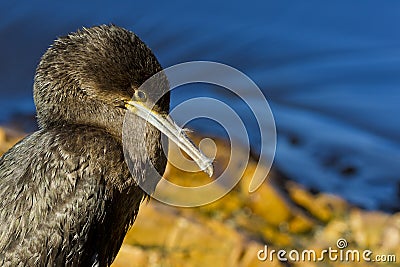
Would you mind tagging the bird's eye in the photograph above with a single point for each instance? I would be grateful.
(140, 95)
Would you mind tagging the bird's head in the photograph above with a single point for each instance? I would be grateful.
(95, 76)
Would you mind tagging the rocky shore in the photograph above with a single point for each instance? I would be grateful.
(242, 229)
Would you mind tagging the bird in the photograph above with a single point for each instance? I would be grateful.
(68, 194)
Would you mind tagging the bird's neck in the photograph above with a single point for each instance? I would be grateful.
(109, 119)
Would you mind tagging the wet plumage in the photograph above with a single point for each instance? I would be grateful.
(66, 194)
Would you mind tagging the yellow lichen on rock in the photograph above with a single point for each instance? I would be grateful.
(8, 138)
(231, 231)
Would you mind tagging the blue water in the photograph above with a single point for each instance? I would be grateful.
(329, 71)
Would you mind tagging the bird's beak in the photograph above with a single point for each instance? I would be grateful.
(169, 128)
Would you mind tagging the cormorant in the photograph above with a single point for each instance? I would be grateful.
(67, 197)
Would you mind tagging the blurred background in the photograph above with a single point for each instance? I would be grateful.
(329, 71)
